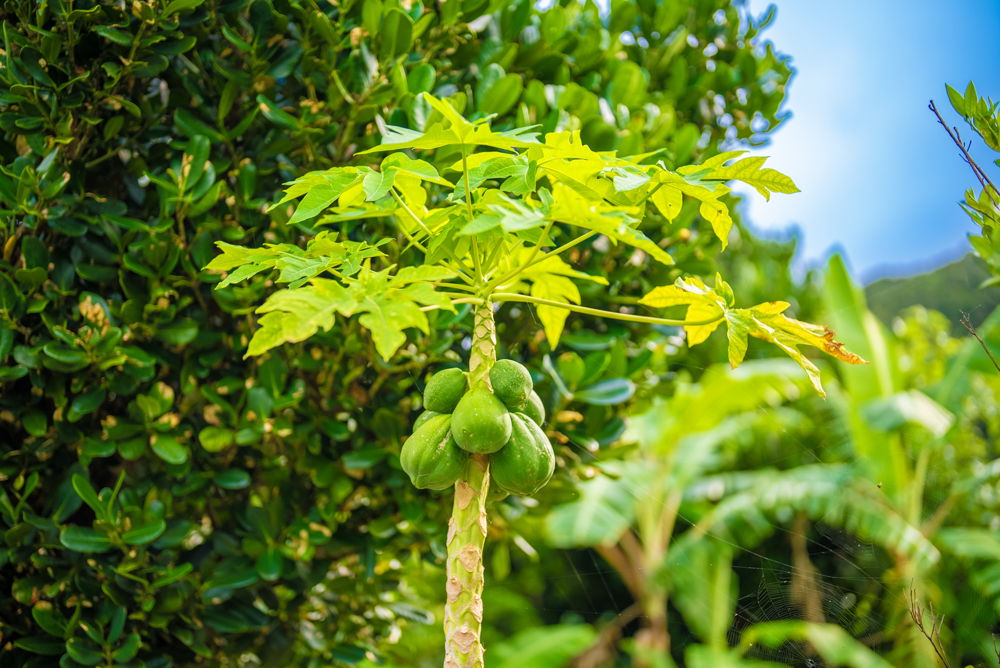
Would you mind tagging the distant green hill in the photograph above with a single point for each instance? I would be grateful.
(948, 289)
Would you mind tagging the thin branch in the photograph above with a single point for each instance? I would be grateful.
(510, 297)
(934, 635)
(956, 137)
(972, 330)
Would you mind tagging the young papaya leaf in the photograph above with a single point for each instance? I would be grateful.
(668, 201)
(494, 168)
(515, 216)
(484, 222)
(425, 294)
(295, 315)
(322, 195)
(559, 289)
(694, 171)
(616, 223)
(750, 172)
(404, 164)
(419, 274)
(458, 132)
(387, 318)
(338, 178)
(376, 184)
(717, 214)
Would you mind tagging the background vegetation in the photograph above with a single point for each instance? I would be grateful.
(166, 502)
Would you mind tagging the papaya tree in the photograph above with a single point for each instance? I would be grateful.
(494, 232)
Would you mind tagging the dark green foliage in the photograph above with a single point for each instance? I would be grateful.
(527, 462)
(481, 423)
(511, 383)
(444, 390)
(431, 457)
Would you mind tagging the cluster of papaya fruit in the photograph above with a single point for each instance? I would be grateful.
(459, 420)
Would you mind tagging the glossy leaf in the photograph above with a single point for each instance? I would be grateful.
(82, 539)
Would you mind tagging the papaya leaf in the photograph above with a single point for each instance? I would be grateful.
(764, 321)
(455, 131)
(616, 223)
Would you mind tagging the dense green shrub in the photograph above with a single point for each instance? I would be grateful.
(164, 500)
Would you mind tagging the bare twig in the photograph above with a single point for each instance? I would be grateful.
(995, 650)
(984, 180)
(934, 636)
(972, 330)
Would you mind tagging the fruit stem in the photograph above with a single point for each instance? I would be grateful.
(463, 610)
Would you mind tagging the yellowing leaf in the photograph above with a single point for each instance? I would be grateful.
(764, 321)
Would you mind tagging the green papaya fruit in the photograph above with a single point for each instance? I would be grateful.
(511, 383)
(496, 492)
(481, 423)
(534, 409)
(444, 390)
(431, 457)
(422, 418)
(526, 462)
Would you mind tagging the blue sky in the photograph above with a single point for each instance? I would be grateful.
(879, 178)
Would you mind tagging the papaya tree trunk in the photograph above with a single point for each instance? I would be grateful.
(463, 611)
